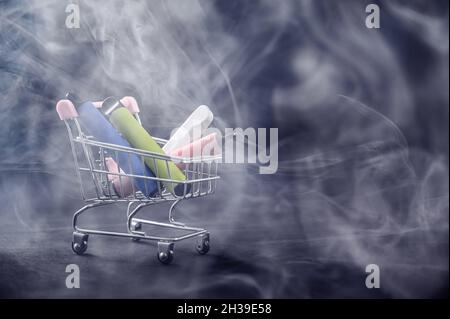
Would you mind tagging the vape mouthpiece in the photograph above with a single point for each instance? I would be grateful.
(110, 104)
(75, 99)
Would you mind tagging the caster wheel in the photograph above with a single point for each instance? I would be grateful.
(165, 252)
(165, 257)
(79, 243)
(135, 227)
(79, 249)
(203, 244)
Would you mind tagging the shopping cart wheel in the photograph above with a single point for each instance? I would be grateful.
(79, 243)
(135, 226)
(203, 244)
(165, 252)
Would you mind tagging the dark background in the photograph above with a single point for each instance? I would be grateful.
(363, 145)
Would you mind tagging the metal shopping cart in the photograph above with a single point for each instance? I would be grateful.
(97, 190)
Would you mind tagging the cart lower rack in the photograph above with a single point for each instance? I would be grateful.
(98, 189)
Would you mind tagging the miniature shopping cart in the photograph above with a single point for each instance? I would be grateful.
(97, 190)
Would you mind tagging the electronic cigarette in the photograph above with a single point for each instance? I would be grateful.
(95, 123)
(192, 129)
(139, 138)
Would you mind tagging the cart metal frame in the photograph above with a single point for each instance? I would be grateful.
(96, 190)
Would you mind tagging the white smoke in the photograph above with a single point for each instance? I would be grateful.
(363, 171)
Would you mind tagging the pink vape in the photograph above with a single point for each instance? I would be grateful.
(122, 184)
(204, 146)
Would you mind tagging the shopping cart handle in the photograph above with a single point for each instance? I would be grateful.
(66, 110)
(98, 104)
(130, 103)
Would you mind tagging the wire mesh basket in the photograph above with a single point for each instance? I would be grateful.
(99, 185)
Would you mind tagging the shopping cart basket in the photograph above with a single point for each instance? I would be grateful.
(90, 156)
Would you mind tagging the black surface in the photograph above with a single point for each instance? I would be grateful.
(249, 257)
